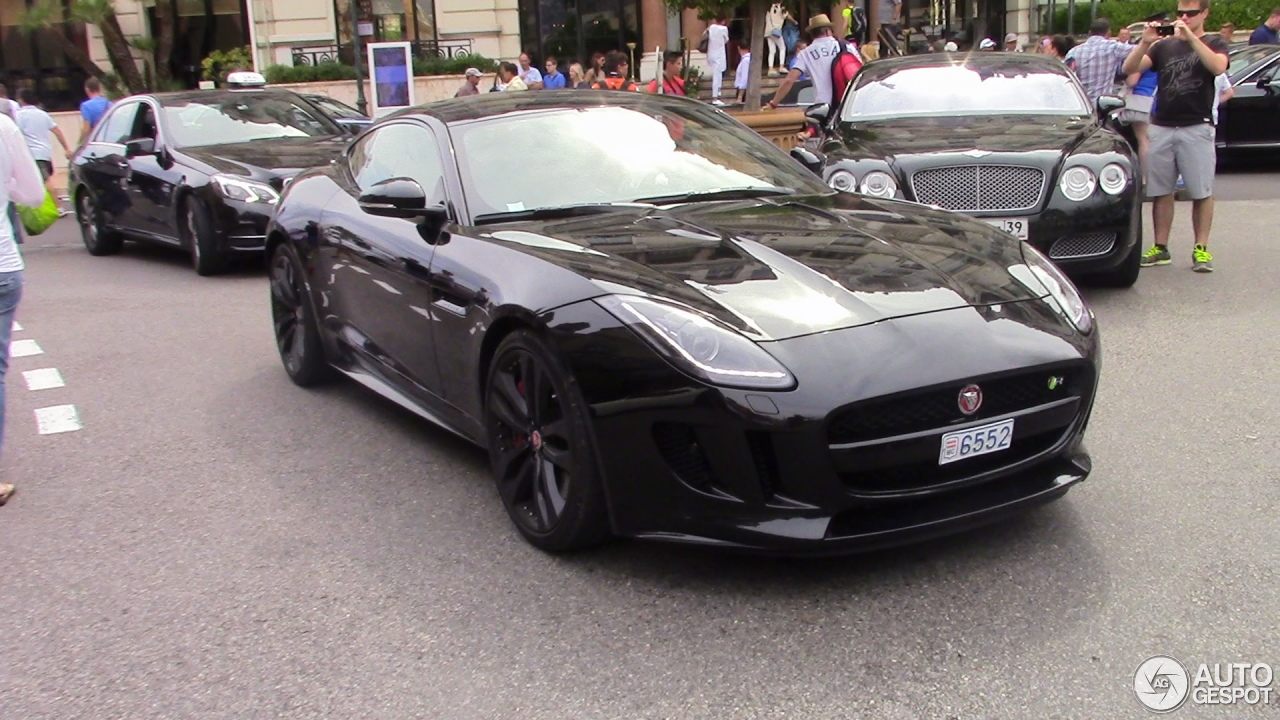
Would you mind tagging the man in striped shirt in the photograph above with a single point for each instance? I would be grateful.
(1097, 60)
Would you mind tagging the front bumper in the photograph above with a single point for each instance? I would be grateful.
(772, 472)
(241, 227)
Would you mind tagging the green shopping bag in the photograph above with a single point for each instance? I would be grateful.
(38, 219)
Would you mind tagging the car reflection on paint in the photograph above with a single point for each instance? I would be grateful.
(660, 326)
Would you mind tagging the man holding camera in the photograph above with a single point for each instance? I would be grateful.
(1181, 134)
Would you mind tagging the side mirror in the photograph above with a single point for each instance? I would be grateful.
(808, 158)
(139, 146)
(400, 197)
(817, 114)
(1109, 103)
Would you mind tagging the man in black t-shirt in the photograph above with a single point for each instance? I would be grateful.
(1181, 133)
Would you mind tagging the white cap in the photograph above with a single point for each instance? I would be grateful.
(472, 72)
(986, 43)
(1011, 37)
(950, 47)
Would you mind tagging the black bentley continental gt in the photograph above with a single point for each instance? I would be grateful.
(199, 170)
(661, 326)
(1009, 138)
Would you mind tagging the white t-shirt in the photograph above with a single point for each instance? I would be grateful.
(1221, 84)
(717, 39)
(36, 126)
(743, 75)
(815, 61)
(20, 182)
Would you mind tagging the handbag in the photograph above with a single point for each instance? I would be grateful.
(705, 42)
(37, 219)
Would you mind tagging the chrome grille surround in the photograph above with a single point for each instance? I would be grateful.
(1082, 246)
(980, 188)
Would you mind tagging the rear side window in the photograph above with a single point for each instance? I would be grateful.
(117, 126)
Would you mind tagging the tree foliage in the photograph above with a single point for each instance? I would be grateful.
(709, 9)
(47, 15)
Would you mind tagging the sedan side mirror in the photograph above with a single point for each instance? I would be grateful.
(139, 146)
(807, 158)
(817, 114)
(1108, 104)
(400, 197)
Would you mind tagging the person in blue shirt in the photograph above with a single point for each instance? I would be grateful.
(1268, 33)
(553, 78)
(92, 110)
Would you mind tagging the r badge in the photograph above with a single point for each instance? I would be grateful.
(970, 399)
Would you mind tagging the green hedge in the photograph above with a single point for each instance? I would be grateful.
(330, 71)
(1246, 14)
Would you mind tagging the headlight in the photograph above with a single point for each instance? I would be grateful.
(699, 346)
(842, 180)
(234, 187)
(879, 184)
(1060, 288)
(1113, 179)
(1077, 183)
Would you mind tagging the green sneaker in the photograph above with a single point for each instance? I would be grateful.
(1201, 260)
(1157, 255)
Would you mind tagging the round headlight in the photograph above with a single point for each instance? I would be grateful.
(842, 180)
(879, 184)
(699, 341)
(1078, 183)
(1113, 179)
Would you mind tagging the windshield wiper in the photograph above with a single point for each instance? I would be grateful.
(741, 193)
(559, 211)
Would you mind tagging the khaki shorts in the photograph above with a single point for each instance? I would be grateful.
(1186, 151)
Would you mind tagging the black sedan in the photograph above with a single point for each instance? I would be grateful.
(661, 326)
(199, 170)
(1009, 138)
(1247, 122)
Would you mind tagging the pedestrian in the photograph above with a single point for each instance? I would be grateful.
(1181, 133)
(773, 23)
(672, 67)
(616, 73)
(814, 61)
(92, 110)
(20, 182)
(1011, 43)
(578, 77)
(472, 84)
(1097, 60)
(510, 76)
(1268, 33)
(529, 74)
(742, 76)
(553, 79)
(9, 108)
(1137, 110)
(1228, 32)
(717, 55)
(36, 125)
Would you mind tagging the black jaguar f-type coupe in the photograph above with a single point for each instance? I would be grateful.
(1009, 138)
(661, 326)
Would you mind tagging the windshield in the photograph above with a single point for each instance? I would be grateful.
(650, 151)
(1244, 57)
(335, 108)
(964, 90)
(224, 119)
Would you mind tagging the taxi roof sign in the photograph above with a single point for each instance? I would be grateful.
(245, 78)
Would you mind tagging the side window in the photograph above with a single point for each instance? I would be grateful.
(399, 150)
(117, 126)
(145, 124)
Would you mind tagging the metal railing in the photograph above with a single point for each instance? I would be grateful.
(421, 49)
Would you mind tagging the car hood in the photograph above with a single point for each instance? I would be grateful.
(269, 160)
(909, 137)
(777, 269)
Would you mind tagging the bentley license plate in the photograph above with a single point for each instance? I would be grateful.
(977, 441)
(1016, 227)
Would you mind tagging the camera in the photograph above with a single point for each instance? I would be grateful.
(1166, 30)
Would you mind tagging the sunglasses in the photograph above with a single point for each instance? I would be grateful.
(1189, 13)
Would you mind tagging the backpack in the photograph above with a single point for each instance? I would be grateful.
(614, 83)
(844, 65)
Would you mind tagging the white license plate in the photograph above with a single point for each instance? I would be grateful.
(1016, 227)
(977, 441)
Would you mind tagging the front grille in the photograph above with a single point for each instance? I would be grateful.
(938, 407)
(679, 446)
(976, 188)
(914, 476)
(1078, 246)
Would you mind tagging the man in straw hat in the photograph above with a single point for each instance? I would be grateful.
(814, 61)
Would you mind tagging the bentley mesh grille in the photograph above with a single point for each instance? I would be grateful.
(976, 188)
(1078, 246)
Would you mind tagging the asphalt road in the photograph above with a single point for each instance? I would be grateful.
(218, 543)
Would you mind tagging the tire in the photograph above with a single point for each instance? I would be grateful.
(201, 241)
(1127, 273)
(98, 240)
(294, 322)
(542, 453)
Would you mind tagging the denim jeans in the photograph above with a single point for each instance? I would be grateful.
(10, 294)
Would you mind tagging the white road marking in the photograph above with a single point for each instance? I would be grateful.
(23, 348)
(57, 419)
(16, 326)
(43, 379)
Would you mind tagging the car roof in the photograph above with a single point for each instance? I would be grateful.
(991, 61)
(185, 96)
(490, 104)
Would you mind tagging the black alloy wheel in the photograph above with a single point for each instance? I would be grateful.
(540, 448)
(297, 334)
(97, 239)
